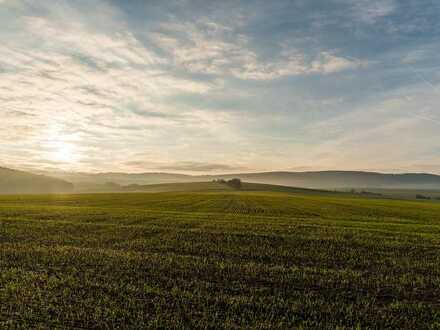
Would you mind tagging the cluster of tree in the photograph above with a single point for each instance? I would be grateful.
(422, 197)
(233, 183)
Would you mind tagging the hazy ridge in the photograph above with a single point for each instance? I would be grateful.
(20, 182)
(315, 180)
(13, 181)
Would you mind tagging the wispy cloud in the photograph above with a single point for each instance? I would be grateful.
(186, 166)
(204, 47)
(197, 87)
(370, 11)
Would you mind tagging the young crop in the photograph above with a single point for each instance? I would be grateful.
(225, 259)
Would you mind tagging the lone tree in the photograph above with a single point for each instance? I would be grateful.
(234, 183)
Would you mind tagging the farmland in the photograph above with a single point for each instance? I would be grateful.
(213, 257)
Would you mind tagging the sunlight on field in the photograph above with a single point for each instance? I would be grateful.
(222, 259)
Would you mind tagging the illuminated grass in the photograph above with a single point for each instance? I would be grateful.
(218, 260)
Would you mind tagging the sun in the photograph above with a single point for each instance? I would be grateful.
(61, 147)
(64, 152)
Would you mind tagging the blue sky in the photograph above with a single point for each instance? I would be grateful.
(220, 86)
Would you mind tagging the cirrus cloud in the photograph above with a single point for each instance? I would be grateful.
(189, 86)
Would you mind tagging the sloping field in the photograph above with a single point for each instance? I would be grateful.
(216, 187)
(219, 259)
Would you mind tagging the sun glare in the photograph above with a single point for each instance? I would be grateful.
(65, 153)
(62, 148)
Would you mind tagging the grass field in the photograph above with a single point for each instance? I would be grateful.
(219, 259)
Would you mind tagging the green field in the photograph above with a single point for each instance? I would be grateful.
(218, 258)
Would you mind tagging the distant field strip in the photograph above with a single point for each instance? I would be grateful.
(220, 259)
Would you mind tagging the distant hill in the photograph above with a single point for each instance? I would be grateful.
(314, 180)
(343, 179)
(91, 179)
(19, 182)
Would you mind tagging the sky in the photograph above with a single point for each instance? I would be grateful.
(220, 86)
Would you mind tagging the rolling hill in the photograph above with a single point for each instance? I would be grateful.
(91, 179)
(218, 187)
(19, 182)
(314, 180)
(343, 179)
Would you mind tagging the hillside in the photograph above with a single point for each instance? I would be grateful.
(19, 182)
(93, 179)
(315, 180)
(214, 187)
(343, 179)
(178, 187)
(205, 186)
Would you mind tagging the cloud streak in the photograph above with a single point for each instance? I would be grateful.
(196, 87)
(204, 48)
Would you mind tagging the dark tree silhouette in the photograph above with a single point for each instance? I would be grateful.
(234, 183)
